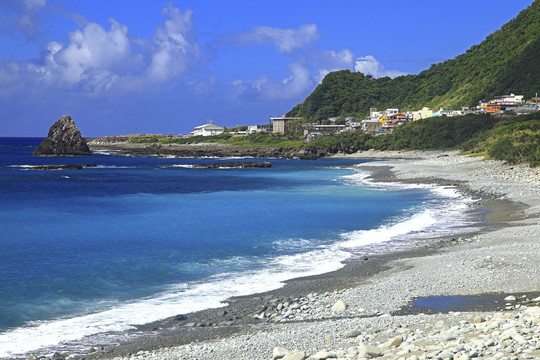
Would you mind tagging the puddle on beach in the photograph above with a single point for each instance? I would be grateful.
(460, 303)
(485, 302)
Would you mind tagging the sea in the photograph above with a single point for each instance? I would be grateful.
(86, 255)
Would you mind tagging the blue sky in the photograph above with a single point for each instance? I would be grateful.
(152, 66)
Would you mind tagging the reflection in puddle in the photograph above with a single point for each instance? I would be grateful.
(461, 303)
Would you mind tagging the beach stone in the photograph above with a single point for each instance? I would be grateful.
(368, 351)
(31, 357)
(394, 342)
(64, 139)
(58, 356)
(295, 355)
(339, 306)
(446, 337)
(510, 298)
(352, 334)
(279, 353)
(478, 319)
(324, 354)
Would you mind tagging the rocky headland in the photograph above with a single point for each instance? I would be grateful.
(203, 150)
(64, 139)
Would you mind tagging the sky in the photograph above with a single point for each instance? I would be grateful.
(151, 66)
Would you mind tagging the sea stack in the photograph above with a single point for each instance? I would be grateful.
(64, 139)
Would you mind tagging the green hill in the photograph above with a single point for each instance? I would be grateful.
(507, 61)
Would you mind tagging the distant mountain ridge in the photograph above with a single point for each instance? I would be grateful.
(507, 61)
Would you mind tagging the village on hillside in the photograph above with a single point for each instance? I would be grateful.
(378, 122)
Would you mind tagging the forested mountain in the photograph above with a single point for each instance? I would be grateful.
(507, 61)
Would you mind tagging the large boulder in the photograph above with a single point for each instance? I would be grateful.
(64, 139)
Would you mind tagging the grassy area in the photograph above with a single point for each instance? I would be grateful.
(258, 139)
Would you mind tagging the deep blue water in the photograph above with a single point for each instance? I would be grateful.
(139, 239)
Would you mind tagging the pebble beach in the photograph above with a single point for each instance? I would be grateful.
(365, 310)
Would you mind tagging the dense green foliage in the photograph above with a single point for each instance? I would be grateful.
(514, 139)
(507, 61)
(257, 139)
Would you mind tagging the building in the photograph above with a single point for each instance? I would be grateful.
(507, 103)
(312, 131)
(389, 123)
(266, 128)
(371, 126)
(448, 113)
(422, 114)
(280, 125)
(207, 130)
(507, 99)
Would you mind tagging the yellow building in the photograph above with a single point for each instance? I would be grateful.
(422, 114)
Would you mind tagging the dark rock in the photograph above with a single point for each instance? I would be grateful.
(58, 356)
(61, 167)
(64, 139)
(180, 318)
(238, 164)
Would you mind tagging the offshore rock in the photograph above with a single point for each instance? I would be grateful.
(61, 167)
(238, 164)
(64, 139)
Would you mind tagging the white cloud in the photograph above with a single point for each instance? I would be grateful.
(368, 65)
(176, 48)
(25, 18)
(329, 61)
(98, 59)
(285, 40)
(299, 81)
(93, 55)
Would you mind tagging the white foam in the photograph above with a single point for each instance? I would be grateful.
(181, 299)
(359, 238)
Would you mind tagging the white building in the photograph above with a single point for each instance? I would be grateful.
(507, 99)
(208, 130)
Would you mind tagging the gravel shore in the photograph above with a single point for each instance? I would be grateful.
(369, 314)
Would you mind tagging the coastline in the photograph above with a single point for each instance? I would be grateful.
(378, 291)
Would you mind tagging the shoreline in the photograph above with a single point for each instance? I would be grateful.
(379, 290)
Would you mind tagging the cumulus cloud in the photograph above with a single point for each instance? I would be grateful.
(98, 59)
(24, 17)
(285, 40)
(368, 65)
(329, 61)
(263, 88)
(176, 46)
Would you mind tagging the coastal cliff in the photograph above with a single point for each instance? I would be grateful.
(64, 139)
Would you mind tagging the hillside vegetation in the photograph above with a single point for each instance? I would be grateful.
(507, 61)
(513, 139)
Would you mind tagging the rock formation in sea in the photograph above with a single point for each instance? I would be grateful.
(64, 139)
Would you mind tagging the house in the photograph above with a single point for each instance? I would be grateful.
(448, 113)
(371, 126)
(422, 114)
(280, 125)
(389, 123)
(506, 102)
(266, 128)
(312, 131)
(207, 130)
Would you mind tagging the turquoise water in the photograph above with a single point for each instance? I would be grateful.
(138, 239)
